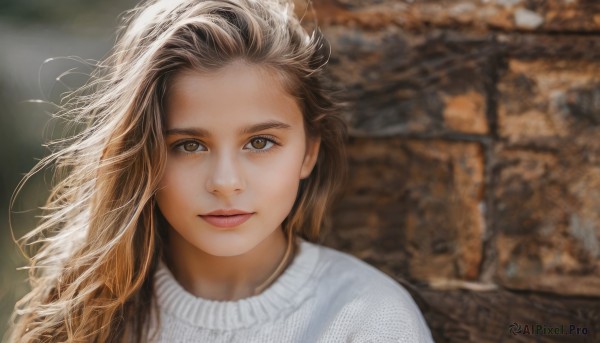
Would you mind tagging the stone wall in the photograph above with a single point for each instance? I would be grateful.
(474, 158)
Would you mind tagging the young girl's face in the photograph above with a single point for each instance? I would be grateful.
(236, 140)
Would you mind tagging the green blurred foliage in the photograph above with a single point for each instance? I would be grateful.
(63, 12)
(24, 127)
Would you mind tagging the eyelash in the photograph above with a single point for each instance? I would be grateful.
(178, 145)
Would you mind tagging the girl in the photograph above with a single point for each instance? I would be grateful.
(191, 202)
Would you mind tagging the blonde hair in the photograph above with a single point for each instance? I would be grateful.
(100, 237)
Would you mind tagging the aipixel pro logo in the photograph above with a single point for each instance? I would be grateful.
(546, 330)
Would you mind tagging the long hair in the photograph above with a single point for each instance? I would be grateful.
(101, 235)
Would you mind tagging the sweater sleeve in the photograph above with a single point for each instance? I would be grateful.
(385, 312)
(391, 317)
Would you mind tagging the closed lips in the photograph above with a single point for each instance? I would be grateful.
(230, 212)
(224, 215)
(227, 220)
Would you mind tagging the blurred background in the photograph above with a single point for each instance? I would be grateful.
(474, 150)
(38, 42)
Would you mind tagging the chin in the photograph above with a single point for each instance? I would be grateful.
(227, 248)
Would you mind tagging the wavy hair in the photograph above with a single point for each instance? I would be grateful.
(99, 239)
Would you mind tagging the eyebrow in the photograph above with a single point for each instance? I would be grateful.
(200, 132)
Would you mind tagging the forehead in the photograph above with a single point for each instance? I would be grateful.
(238, 92)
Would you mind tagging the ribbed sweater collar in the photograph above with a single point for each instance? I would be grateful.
(288, 291)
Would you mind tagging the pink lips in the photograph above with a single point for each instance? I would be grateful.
(227, 218)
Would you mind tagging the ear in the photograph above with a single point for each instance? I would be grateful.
(310, 157)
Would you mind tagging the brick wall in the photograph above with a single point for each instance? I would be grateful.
(474, 158)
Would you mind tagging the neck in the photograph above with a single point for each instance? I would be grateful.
(229, 278)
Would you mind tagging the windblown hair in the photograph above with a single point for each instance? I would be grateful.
(98, 243)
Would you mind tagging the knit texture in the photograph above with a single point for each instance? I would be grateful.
(324, 295)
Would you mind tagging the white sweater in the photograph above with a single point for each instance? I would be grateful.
(324, 295)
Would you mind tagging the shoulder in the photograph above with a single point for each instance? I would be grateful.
(382, 310)
(356, 276)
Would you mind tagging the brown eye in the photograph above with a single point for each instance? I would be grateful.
(190, 146)
(259, 143)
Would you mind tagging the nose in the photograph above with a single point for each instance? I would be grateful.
(225, 176)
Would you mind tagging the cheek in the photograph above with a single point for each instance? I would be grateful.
(279, 180)
(175, 188)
